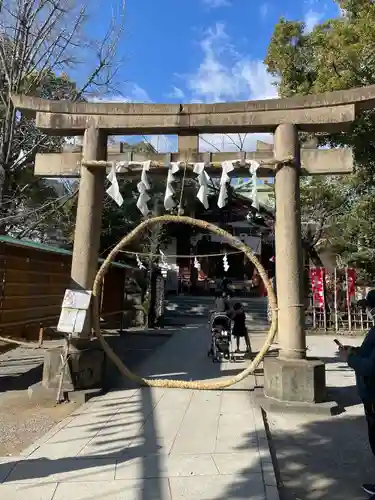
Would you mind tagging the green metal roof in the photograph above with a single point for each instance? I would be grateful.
(51, 249)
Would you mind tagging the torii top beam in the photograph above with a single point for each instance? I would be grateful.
(327, 112)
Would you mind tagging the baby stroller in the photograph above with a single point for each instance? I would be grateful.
(221, 337)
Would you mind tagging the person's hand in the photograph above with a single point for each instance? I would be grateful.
(344, 352)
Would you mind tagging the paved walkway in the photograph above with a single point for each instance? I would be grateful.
(154, 444)
(325, 458)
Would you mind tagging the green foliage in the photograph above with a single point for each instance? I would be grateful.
(338, 54)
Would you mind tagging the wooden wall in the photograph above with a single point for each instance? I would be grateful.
(32, 286)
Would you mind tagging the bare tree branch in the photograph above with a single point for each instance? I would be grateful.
(38, 48)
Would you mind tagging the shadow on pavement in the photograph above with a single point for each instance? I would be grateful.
(326, 459)
(323, 459)
(114, 430)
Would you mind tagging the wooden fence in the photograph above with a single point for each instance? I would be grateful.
(33, 279)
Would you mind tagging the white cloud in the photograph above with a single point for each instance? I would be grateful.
(264, 9)
(226, 75)
(138, 94)
(176, 93)
(133, 93)
(215, 4)
(311, 19)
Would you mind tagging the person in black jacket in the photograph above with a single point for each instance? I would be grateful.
(362, 360)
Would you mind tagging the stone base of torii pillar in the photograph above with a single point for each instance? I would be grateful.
(291, 380)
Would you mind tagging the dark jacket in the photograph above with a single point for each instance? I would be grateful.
(239, 324)
(362, 360)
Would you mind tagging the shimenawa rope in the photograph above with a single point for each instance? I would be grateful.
(182, 384)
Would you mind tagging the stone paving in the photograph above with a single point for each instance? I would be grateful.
(154, 444)
(323, 458)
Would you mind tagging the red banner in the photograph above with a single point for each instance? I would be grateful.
(317, 279)
(351, 277)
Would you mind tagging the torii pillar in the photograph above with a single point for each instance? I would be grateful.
(291, 377)
(89, 215)
(289, 262)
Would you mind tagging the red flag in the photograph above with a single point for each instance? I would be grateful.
(351, 277)
(317, 280)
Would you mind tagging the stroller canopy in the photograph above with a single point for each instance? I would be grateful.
(220, 319)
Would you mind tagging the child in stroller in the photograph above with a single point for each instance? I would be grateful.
(221, 337)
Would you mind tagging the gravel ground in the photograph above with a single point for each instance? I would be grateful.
(23, 420)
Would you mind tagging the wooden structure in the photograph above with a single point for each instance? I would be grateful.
(332, 111)
(33, 282)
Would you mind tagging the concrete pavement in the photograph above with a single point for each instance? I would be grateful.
(321, 458)
(154, 444)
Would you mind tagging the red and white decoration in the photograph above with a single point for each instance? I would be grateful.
(350, 280)
(317, 283)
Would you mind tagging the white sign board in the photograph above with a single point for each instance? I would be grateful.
(74, 311)
(77, 299)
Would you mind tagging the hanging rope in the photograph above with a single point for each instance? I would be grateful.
(190, 256)
(181, 384)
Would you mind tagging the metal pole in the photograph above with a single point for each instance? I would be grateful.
(324, 299)
(348, 300)
(335, 301)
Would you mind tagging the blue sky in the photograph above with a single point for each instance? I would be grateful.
(202, 50)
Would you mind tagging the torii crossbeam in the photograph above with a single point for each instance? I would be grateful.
(290, 377)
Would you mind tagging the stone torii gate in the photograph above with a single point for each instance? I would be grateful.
(290, 377)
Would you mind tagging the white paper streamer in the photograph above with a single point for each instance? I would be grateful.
(143, 187)
(114, 190)
(169, 202)
(145, 168)
(163, 265)
(139, 263)
(254, 193)
(225, 263)
(21, 157)
(120, 165)
(203, 179)
(164, 260)
(227, 166)
(197, 264)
